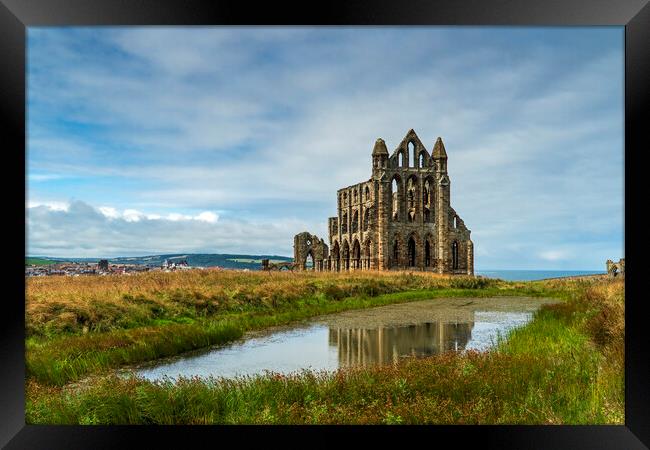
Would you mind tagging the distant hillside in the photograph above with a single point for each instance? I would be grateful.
(38, 261)
(252, 262)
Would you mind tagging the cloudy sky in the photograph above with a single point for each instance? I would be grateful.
(232, 139)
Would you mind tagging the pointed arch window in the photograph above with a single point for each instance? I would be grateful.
(410, 195)
(454, 255)
(396, 252)
(394, 191)
(336, 256)
(410, 189)
(426, 194)
(411, 252)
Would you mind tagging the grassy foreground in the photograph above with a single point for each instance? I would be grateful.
(566, 366)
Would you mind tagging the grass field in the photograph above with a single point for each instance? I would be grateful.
(38, 262)
(566, 366)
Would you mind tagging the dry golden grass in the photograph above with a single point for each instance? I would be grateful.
(100, 303)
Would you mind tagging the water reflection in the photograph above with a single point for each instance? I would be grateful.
(384, 345)
(354, 338)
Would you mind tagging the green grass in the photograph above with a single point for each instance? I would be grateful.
(38, 262)
(548, 372)
(565, 366)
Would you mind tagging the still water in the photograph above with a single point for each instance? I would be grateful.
(367, 337)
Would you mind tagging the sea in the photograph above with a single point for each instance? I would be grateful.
(527, 275)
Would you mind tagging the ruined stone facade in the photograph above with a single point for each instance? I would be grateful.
(401, 218)
(616, 269)
(307, 245)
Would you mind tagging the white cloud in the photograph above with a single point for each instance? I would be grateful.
(83, 230)
(207, 216)
(109, 212)
(132, 215)
(54, 206)
(176, 217)
(553, 255)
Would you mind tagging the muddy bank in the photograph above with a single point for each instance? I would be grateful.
(441, 309)
(453, 309)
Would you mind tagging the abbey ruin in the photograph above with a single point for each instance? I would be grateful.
(401, 218)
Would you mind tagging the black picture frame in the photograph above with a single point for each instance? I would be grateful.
(16, 15)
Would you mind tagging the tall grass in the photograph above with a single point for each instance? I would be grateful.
(78, 305)
(565, 366)
(67, 358)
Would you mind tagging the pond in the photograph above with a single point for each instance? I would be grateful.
(380, 335)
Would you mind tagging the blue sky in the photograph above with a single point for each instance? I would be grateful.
(149, 140)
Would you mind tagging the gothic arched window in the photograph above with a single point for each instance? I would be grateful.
(394, 195)
(412, 252)
(395, 252)
(454, 255)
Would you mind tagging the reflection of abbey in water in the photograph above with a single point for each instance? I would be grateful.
(384, 345)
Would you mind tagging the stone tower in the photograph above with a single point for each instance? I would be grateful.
(401, 218)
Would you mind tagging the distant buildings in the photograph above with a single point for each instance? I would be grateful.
(70, 269)
(103, 267)
(170, 265)
(77, 269)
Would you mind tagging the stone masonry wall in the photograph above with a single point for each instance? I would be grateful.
(401, 218)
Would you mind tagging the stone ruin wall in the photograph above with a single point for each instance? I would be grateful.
(400, 218)
(616, 269)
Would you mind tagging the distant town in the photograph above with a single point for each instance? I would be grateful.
(104, 268)
(45, 266)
